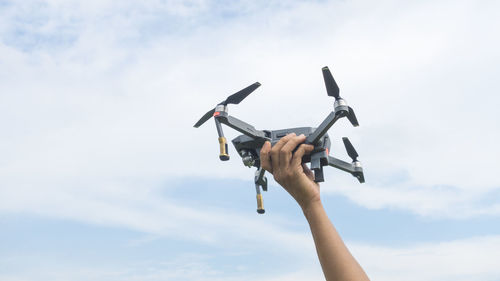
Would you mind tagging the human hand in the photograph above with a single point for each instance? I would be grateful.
(287, 168)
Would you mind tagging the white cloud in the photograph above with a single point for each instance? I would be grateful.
(98, 99)
(186, 267)
(113, 109)
(466, 259)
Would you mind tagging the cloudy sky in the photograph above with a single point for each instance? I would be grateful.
(103, 176)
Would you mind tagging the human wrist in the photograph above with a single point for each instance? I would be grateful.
(310, 206)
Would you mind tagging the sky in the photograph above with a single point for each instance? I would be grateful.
(103, 176)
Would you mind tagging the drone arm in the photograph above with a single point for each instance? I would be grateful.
(240, 126)
(353, 168)
(341, 165)
(323, 128)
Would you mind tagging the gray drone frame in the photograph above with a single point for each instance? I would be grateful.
(249, 144)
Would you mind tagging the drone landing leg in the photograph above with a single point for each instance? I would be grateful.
(317, 167)
(318, 175)
(260, 180)
(260, 201)
(224, 156)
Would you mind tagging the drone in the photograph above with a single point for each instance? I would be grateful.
(248, 144)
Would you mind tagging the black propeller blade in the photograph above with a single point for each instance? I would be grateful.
(235, 98)
(241, 95)
(352, 117)
(205, 117)
(333, 90)
(350, 149)
(331, 86)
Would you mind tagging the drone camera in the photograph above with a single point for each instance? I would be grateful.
(248, 158)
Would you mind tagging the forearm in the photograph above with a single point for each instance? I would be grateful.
(289, 171)
(336, 260)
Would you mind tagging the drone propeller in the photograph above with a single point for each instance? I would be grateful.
(350, 149)
(352, 117)
(333, 90)
(205, 117)
(331, 86)
(235, 98)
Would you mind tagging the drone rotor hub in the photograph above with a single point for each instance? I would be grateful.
(221, 108)
(340, 106)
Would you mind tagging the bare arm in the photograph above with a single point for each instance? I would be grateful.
(287, 168)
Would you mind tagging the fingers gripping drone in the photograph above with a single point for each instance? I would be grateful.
(249, 144)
